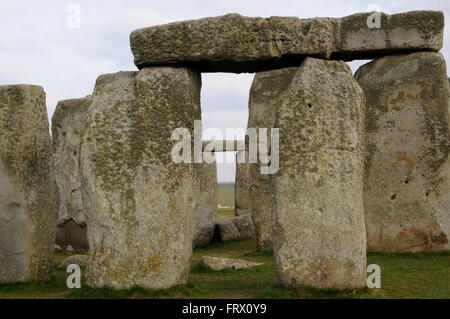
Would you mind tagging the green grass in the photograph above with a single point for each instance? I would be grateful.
(227, 212)
(419, 275)
(226, 194)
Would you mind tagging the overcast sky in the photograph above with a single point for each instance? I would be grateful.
(38, 47)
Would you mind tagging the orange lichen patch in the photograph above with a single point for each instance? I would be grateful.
(409, 163)
(152, 264)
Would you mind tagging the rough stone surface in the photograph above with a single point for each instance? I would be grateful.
(225, 229)
(241, 194)
(319, 232)
(407, 164)
(205, 222)
(66, 131)
(404, 32)
(266, 95)
(234, 43)
(80, 260)
(231, 42)
(220, 263)
(205, 216)
(244, 225)
(140, 204)
(28, 207)
(208, 196)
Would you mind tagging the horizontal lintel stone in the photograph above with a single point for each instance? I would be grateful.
(234, 43)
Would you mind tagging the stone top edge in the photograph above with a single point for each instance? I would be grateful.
(35, 86)
(237, 15)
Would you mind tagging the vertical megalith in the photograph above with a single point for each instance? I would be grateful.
(66, 131)
(241, 195)
(28, 207)
(206, 213)
(407, 164)
(266, 95)
(208, 191)
(319, 232)
(140, 203)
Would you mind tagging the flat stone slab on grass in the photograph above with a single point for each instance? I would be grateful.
(80, 260)
(234, 43)
(220, 263)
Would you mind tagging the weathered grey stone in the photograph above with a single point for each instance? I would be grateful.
(205, 222)
(80, 260)
(233, 43)
(241, 194)
(266, 95)
(220, 263)
(208, 196)
(244, 225)
(205, 216)
(407, 164)
(66, 131)
(404, 32)
(319, 233)
(140, 203)
(28, 207)
(225, 230)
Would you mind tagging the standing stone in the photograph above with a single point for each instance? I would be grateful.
(205, 215)
(319, 233)
(208, 196)
(407, 161)
(28, 207)
(266, 95)
(241, 195)
(140, 203)
(66, 131)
